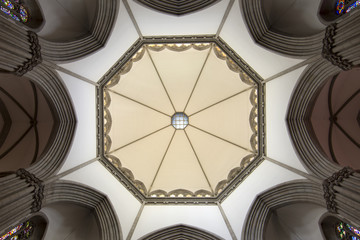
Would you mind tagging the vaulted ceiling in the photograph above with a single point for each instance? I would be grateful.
(142, 77)
(218, 138)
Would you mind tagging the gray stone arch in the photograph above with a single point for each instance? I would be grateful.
(99, 203)
(180, 231)
(177, 8)
(258, 27)
(285, 194)
(59, 99)
(65, 51)
(23, 190)
(20, 54)
(310, 81)
(308, 85)
(340, 185)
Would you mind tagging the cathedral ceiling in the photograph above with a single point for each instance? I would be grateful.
(180, 120)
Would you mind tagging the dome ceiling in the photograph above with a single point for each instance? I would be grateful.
(180, 120)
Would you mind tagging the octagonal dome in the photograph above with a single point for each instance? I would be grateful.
(180, 120)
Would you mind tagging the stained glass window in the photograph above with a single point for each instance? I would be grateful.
(347, 232)
(15, 9)
(20, 232)
(345, 6)
(352, 6)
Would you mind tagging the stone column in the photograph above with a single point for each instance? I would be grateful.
(22, 195)
(342, 194)
(19, 49)
(341, 42)
(22, 191)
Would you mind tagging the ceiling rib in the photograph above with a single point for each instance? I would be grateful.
(202, 169)
(16, 143)
(167, 93)
(228, 9)
(34, 122)
(36, 104)
(347, 102)
(143, 104)
(347, 135)
(191, 95)
(227, 222)
(136, 220)
(201, 70)
(139, 139)
(36, 144)
(133, 20)
(16, 102)
(223, 100)
(162, 160)
(246, 149)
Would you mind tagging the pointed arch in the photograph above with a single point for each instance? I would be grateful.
(279, 196)
(180, 232)
(298, 121)
(75, 193)
(177, 8)
(64, 117)
(29, 124)
(100, 30)
(262, 33)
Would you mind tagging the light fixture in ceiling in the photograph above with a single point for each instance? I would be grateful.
(223, 142)
(179, 120)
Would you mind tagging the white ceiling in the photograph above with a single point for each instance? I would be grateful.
(278, 92)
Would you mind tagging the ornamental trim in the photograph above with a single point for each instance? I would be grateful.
(328, 186)
(36, 58)
(328, 46)
(33, 181)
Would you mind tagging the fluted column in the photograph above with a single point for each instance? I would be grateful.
(22, 191)
(342, 194)
(19, 49)
(341, 42)
(21, 195)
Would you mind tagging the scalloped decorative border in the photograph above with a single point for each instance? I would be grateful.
(256, 119)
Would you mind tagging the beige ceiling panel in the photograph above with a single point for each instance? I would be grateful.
(143, 157)
(216, 156)
(131, 121)
(143, 84)
(217, 82)
(228, 120)
(180, 168)
(179, 72)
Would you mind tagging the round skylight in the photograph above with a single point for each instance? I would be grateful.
(179, 120)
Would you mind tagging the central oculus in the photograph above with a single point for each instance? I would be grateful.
(180, 120)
